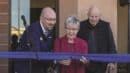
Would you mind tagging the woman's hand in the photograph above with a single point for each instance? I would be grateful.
(84, 60)
(65, 62)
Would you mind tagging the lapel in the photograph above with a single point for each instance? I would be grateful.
(43, 36)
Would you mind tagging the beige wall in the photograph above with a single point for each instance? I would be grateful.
(66, 8)
(108, 9)
(122, 28)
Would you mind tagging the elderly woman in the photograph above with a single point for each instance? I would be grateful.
(70, 43)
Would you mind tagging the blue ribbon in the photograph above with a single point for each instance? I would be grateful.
(18, 55)
(123, 58)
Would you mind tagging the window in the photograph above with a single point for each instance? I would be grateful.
(20, 16)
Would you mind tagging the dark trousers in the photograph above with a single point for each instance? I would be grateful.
(39, 67)
(31, 66)
(22, 66)
(96, 67)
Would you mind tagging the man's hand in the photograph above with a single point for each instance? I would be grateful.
(111, 68)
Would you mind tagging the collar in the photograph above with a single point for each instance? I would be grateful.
(66, 39)
(43, 29)
(93, 27)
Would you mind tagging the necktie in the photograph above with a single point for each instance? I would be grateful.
(46, 33)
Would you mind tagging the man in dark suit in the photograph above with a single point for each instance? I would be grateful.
(100, 40)
(38, 37)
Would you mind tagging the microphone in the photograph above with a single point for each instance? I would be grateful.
(24, 21)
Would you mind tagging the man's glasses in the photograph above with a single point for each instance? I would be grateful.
(50, 19)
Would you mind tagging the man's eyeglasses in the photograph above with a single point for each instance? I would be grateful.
(50, 19)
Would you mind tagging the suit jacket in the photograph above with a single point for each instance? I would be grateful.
(102, 34)
(33, 39)
(100, 41)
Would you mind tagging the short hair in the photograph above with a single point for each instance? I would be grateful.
(72, 20)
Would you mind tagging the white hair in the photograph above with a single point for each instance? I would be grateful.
(72, 20)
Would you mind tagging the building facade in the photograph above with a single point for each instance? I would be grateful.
(111, 11)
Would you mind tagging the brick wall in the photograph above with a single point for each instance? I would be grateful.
(4, 33)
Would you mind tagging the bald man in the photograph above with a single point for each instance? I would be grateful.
(38, 37)
(98, 34)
